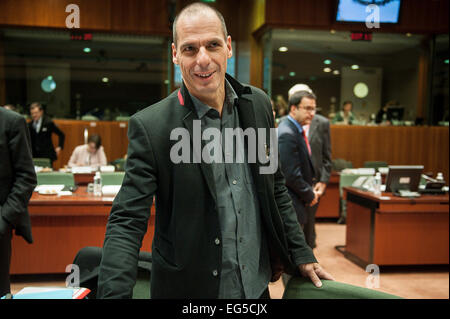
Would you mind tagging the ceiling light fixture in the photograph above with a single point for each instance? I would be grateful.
(282, 49)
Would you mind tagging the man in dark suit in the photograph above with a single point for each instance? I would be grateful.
(318, 133)
(17, 181)
(41, 129)
(295, 153)
(222, 230)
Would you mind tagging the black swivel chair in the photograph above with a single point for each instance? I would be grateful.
(88, 260)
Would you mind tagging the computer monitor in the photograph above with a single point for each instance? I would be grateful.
(403, 177)
(358, 10)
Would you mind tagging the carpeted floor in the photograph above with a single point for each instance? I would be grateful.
(409, 282)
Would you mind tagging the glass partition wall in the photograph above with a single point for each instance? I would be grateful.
(382, 71)
(96, 75)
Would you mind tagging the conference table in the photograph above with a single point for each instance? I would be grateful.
(387, 230)
(61, 226)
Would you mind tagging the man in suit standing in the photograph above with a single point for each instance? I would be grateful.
(222, 229)
(318, 133)
(17, 182)
(295, 153)
(41, 129)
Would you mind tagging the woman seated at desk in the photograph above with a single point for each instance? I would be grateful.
(90, 154)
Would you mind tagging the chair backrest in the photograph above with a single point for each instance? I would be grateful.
(89, 118)
(55, 178)
(43, 162)
(119, 164)
(303, 288)
(339, 164)
(115, 178)
(375, 164)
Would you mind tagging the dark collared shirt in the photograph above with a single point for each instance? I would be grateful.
(245, 261)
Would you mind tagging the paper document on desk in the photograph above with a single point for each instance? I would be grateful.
(110, 190)
(49, 189)
(81, 169)
(51, 293)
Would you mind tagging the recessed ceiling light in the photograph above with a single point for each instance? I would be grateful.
(87, 50)
(446, 61)
(336, 72)
(327, 70)
(281, 78)
(291, 73)
(327, 62)
(355, 67)
(282, 49)
(105, 80)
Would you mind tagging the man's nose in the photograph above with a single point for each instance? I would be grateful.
(203, 58)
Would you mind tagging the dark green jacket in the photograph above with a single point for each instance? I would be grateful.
(186, 255)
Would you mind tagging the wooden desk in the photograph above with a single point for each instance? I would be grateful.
(387, 230)
(82, 179)
(61, 226)
(329, 203)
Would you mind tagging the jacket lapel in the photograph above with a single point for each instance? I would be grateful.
(312, 129)
(188, 122)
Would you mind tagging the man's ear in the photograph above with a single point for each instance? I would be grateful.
(174, 54)
(230, 49)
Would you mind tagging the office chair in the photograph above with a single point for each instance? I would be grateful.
(375, 164)
(114, 178)
(338, 164)
(43, 162)
(55, 178)
(88, 261)
(303, 288)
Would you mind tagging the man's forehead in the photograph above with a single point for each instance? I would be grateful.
(191, 26)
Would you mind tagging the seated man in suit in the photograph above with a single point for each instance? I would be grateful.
(90, 154)
(41, 129)
(295, 153)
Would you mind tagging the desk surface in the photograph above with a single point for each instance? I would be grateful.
(389, 198)
(61, 226)
(79, 197)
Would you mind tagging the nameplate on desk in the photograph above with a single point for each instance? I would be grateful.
(108, 199)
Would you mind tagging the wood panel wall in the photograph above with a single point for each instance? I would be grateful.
(113, 134)
(127, 16)
(416, 16)
(427, 146)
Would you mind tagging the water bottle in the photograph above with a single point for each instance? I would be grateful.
(377, 184)
(97, 184)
